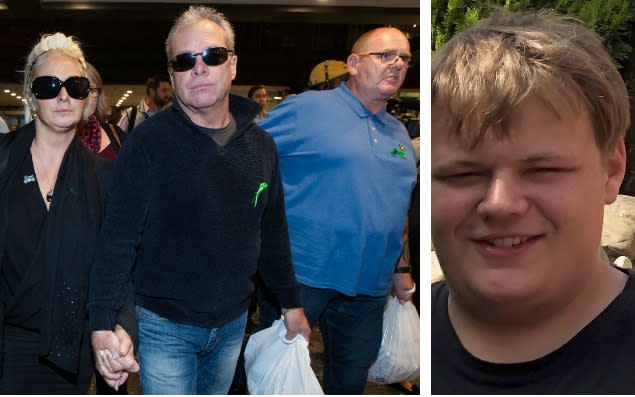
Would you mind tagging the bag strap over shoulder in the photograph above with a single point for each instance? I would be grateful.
(132, 118)
(111, 131)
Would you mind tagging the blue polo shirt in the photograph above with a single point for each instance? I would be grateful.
(347, 176)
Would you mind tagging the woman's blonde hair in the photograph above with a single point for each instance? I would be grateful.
(482, 75)
(48, 42)
(102, 110)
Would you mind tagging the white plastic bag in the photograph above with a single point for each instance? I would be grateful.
(275, 365)
(398, 357)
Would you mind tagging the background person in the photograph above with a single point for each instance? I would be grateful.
(195, 254)
(51, 207)
(258, 94)
(99, 136)
(158, 96)
(348, 169)
(529, 115)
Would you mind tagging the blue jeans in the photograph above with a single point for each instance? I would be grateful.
(185, 359)
(351, 330)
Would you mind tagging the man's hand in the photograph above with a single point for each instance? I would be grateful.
(126, 350)
(114, 355)
(296, 323)
(403, 286)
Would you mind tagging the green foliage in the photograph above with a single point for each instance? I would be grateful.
(611, 19)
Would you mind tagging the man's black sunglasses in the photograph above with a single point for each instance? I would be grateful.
(48, 87)
(212, 56)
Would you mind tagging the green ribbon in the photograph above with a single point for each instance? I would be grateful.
(261, 188)
(399, 152)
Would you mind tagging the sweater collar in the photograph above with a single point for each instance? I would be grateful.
(244, 110)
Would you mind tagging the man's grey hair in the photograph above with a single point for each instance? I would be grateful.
(194, 14)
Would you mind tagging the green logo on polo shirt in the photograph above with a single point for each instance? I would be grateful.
(401, 152)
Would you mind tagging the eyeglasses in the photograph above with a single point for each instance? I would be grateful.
(212, 56)
(49, 87)
(390, 57)
(94, 91)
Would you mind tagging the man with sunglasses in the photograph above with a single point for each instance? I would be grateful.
(158, 95)
(348, 169)
(199, 209)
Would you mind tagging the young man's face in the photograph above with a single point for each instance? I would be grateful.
(520, 219)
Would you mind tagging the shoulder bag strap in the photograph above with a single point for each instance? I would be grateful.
(132, 118)
(114, 137)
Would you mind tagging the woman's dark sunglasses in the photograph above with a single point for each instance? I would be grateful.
(48, 87)
(212, 56)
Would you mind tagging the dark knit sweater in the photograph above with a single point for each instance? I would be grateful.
(185, 218)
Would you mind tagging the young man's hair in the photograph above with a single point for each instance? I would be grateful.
(482, 75)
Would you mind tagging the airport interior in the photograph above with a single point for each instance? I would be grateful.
(278, 44)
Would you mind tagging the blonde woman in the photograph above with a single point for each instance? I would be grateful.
(51, 207)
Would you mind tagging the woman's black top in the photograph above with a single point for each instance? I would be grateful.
(21, 275)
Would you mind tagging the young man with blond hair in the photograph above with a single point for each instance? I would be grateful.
(529, 115)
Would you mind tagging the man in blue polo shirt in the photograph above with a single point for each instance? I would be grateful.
(348, 169)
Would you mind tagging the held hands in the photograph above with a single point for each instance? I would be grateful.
(114, 355)
(403, 286)
(296, 323)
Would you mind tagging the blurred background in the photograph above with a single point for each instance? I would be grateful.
(278, 41)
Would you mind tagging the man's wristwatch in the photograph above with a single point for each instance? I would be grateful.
(403, 269)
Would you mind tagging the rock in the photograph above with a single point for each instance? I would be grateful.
(623, 262)
(618, 233)
(437, 273)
